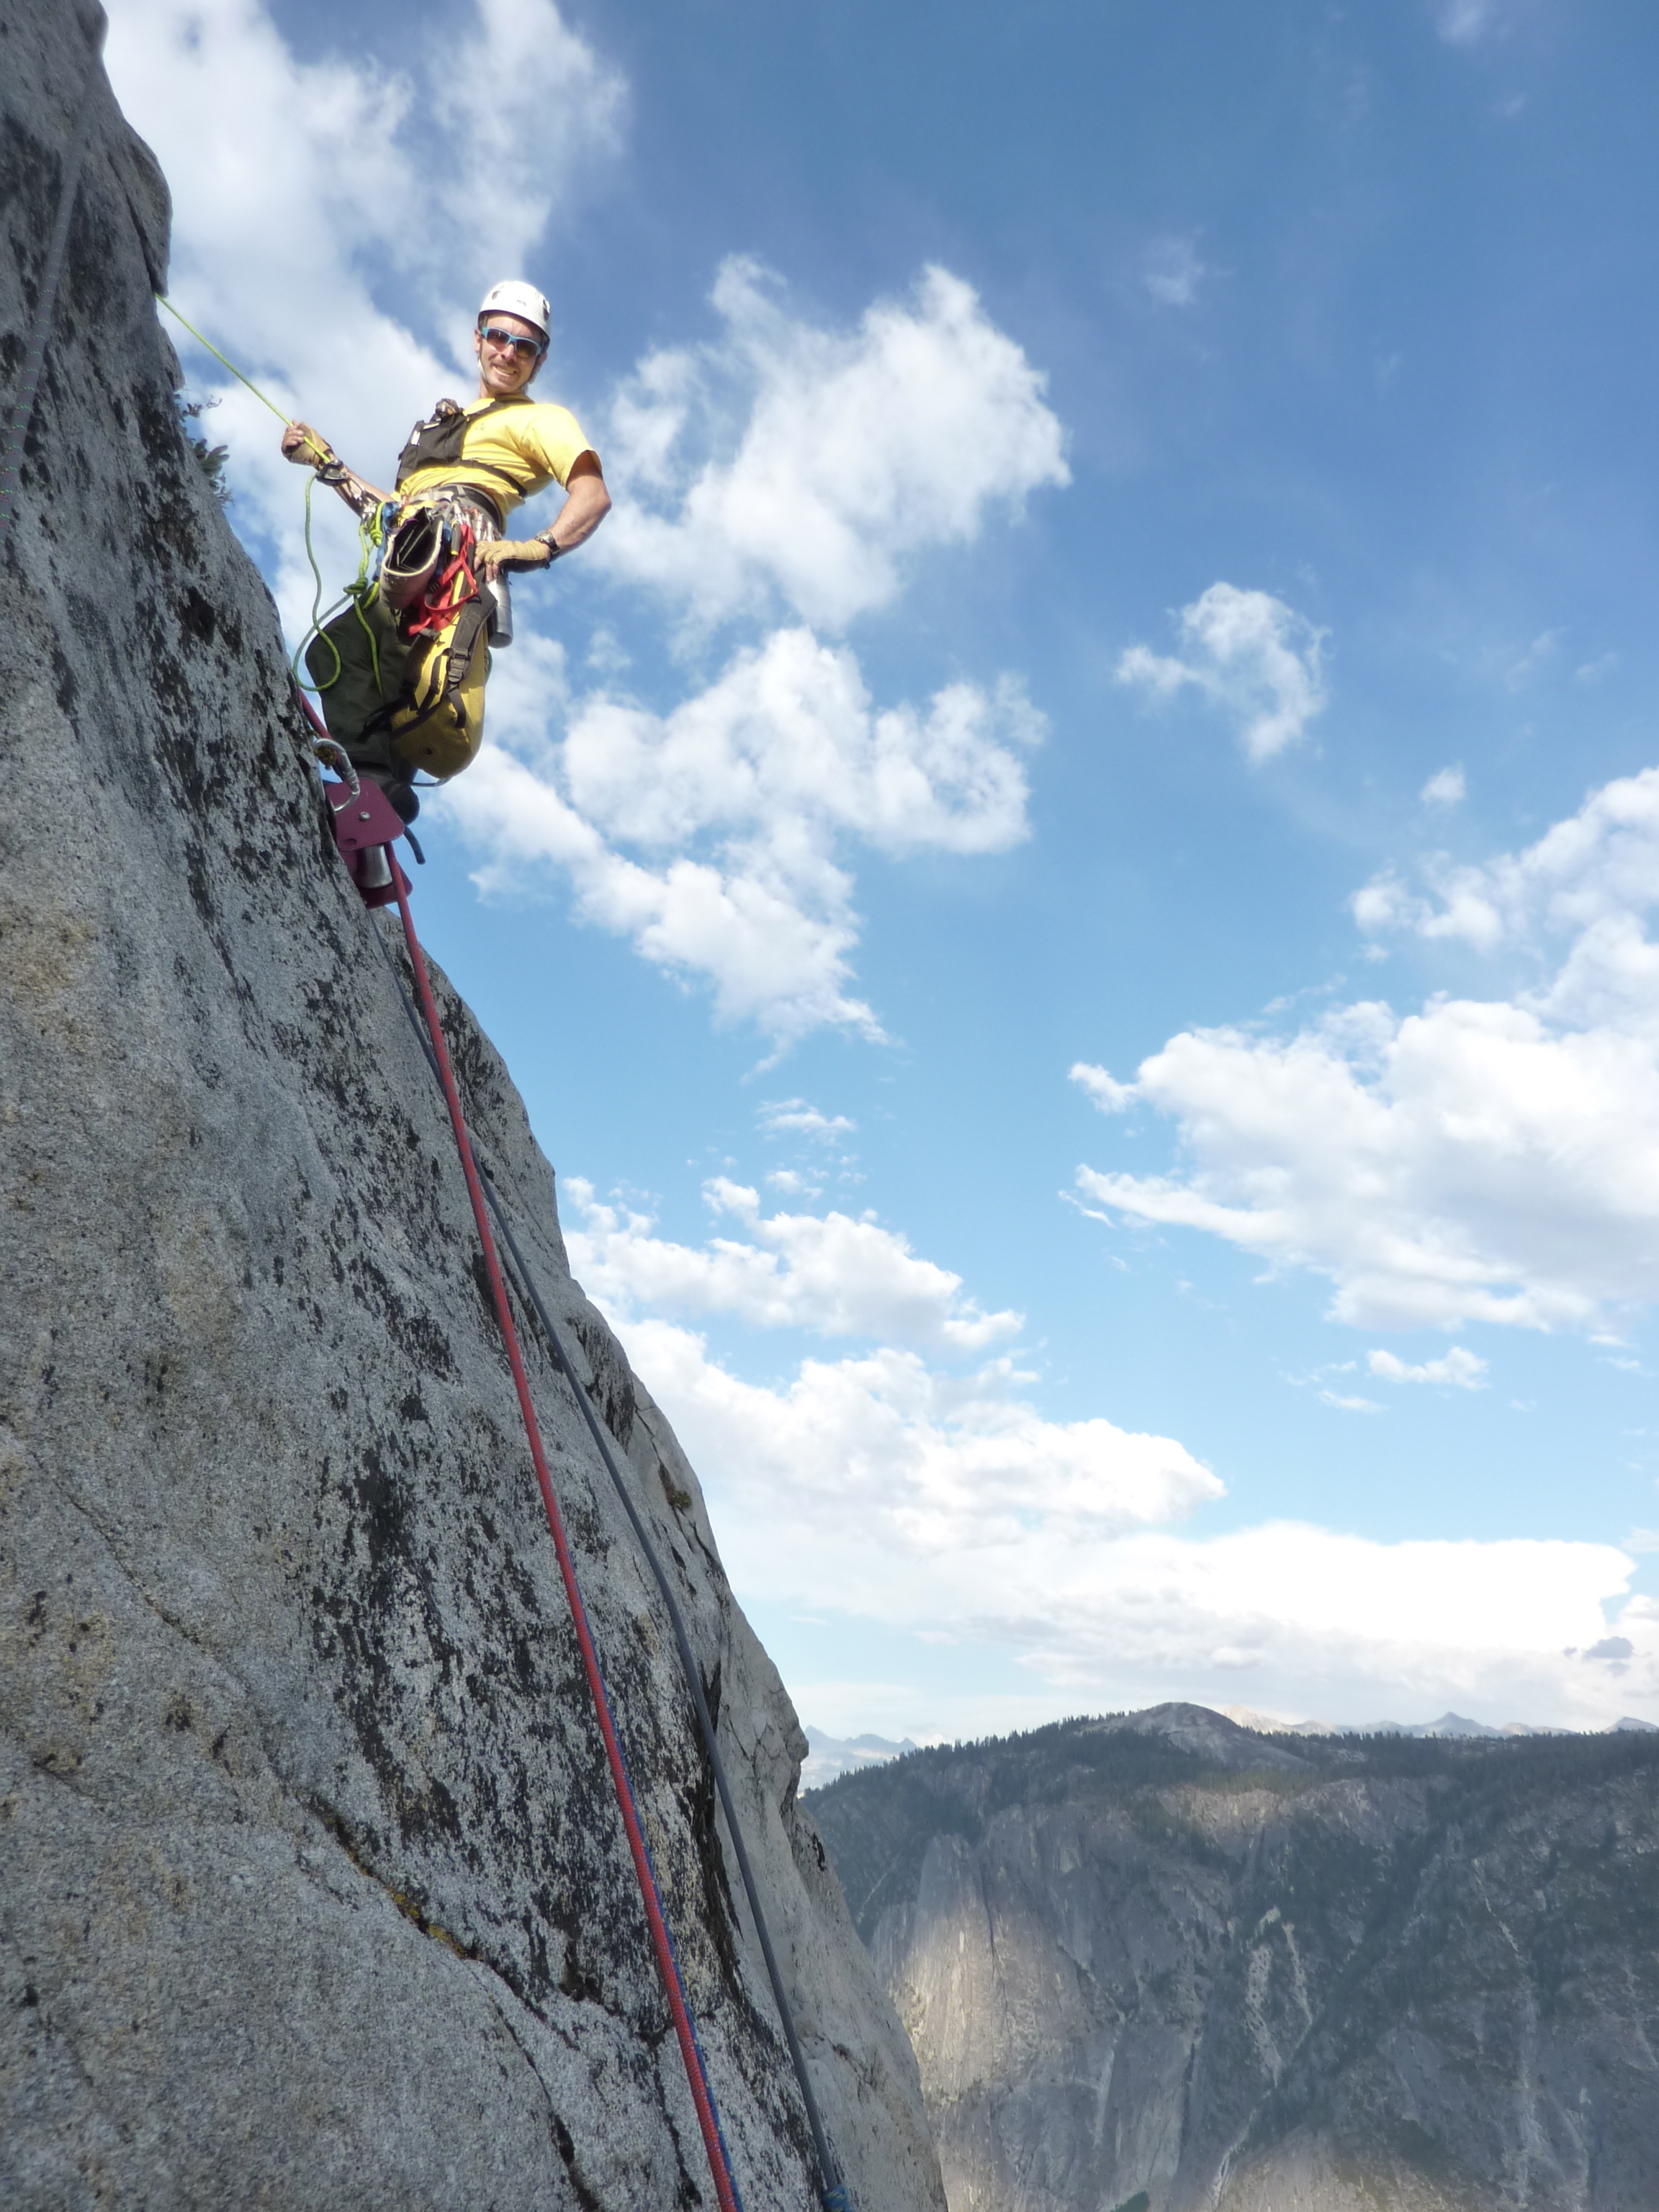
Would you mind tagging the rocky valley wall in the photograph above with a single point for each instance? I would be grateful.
(1162, 1963)
(312, 1892)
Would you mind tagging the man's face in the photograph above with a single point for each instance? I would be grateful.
(504, 366)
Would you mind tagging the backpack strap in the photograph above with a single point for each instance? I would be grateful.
(437, 443)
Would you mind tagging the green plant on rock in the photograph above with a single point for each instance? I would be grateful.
(210, 459)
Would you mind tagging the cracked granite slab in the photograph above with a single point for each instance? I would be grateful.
(313, 1892)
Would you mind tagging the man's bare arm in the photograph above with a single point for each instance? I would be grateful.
(302, 445)
(586, 504)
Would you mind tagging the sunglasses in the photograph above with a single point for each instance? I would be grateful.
(525, 349)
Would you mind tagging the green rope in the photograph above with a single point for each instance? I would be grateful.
(316, 630)
(357, 599)
(164, 301)
(367, 539)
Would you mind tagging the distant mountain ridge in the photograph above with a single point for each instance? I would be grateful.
(1452, 1724)
(830, 1756)
(1158, 1958)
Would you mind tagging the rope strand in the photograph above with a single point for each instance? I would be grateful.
(263, 400)
(367, 538)
(719, 2166)
(835, 2193)
(833, 2189)
(832, 2186)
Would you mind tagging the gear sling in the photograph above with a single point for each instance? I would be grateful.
(401, 669)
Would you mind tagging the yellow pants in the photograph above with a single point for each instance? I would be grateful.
(396, 702)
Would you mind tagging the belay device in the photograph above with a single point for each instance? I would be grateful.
(366, 827)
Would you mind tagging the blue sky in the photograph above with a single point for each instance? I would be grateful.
(1067, 881)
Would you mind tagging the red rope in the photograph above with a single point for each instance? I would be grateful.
(661, 1944)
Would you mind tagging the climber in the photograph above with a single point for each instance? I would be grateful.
(401, 671)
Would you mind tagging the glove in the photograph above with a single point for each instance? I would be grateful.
(513, 554)
(302, 445)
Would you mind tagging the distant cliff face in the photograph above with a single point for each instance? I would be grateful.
(1162, 1955)
(313, 1892)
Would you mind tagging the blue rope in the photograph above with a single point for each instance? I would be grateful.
(674, 1955)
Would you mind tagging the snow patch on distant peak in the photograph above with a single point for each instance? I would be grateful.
(830, 1756)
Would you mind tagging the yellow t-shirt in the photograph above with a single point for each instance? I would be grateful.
(516, 451)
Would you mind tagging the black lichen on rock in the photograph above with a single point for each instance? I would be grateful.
(313, 1890)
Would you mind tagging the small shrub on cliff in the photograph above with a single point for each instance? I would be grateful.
(210, 459)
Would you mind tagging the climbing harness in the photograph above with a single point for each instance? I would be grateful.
(415, 700)
(34, 353)
(355, 825)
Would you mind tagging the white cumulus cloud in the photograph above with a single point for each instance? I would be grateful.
(1479, 1160)
(1414, 1622)
(1461, 1164)
(713, 836)
(1588, 883)
(915, 1485)
(1460, 1369)
(788, 737)
(830, 1274)
(870, 1467)
(1106, 1091)
(1256, 659)
(788, 461)
(794, 1117)
(877, 1489)
(537, 107)
(1448, 786)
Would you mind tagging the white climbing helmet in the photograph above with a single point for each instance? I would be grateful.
(524, 300)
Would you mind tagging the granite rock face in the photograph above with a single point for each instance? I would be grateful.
(312, 1892)
(1162, 1962)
